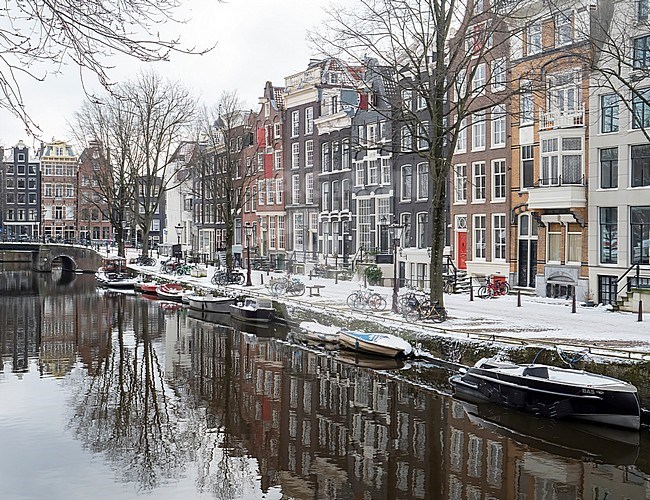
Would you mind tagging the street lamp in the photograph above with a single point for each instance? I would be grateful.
(383, 228)
(249, 233)
(179, 231)
(396, 235)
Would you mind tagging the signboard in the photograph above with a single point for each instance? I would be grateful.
(177, 251)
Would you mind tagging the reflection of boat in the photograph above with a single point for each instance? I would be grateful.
(551, 392)
(252, 310)
(210, 303)
(171, 291)
(379, 344)
(315, 332)
(211, 317)
(571, 439)
(370, 361)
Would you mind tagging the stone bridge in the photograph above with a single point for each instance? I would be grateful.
(41, 255)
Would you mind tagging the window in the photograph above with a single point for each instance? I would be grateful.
(423, 181)
(498, 126)
(423, 135)
(309, 188)
(336, 195)
(641, 52)
(309, 120)
(295, 189)
(325, 196)
(278, 191)
(478, 131)
(345, 157)
(478, 181)
(373, 171)
(571, 160)
(365, 220)
(499, 237)
(478, 82)
(564, 91)
(277, 160)
(550, 162)
(608, 218)
(325, 157)
(563, 28)
(609, 168)
(298, 230)
(640, 156)
(498, 74)
(527, 165)
(498, 180)
(336, 156)
(406, 140)
(554, 242)
(295, 155)
(406, 182)
(641, 108)
(461, 138)
(640, 229)
(526, 108)
(407, 99)
(360, 173)
(345, 194)
(421, 235)
(461, 84)
(460, 183)
(309, 153)
(270, 192)
(574, 243)
(260, 194)
(479, 236)
(608, 113)
(534, 38)
(642, 10)
(277, 130)
(295, 123)
(385, 171)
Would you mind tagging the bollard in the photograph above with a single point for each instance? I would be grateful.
(573, 303)
(471, 292)
(261, 279)
(518, 298)
(309, 275)
(336, 277)
(640, 318)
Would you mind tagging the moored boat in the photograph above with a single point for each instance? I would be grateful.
(171, 291)
(210, 303)
(371, 361)
(113, 274)
(379, 344)
(315, 332)
(147, 287)
(252, 310)
(552, 392)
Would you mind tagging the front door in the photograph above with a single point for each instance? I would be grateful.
(527, 251)
(461, 246)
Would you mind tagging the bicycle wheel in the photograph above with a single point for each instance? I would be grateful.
(352, 299)
(449, 287)
(298, 289)
(239, 279)
(439, 314)
(504, 288)
(483, 292)
(215, 279)
(376, 302)
(412, 315)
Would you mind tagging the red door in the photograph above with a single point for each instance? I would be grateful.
(461, 247)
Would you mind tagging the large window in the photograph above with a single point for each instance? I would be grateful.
(640, 156)
(499, 236)
(325, 157)
(527, 167)
(309, 187)
(498, 75)
(478, 180)
(309, 153)
(325, 196)
(461, 138)
(478, 82)
(295, 189)
(309, 120)
(498, 180)
(407, 174)
(423, 181)
(345, 155)
(460, 183)
(345, 194)
(574, 244)
(609, 113)
(608, 168)
(554, 250)
(295, 123)
(360, 173)
(534, 38)
(640, 229)
(295, 155)
(406, 139)
(479, 232)
(563, 28)
(478, 131)
(641, 109)
(642, 10)
(608, 235)
(498, 126)
(641, 52)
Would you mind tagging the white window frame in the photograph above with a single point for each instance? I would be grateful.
(499, 235)
(460, 183)
(309, 153)
(422, 192)
(295, 123)
(498, 126)
(403, 186)
(478, 80)
(499, 179)
(498, 74)
(295, 189)
(479, 234)
(309, 188)
(478, 131)
(309, 120)
(478, 182)
(295, 155)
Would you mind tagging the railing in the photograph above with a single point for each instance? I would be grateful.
(635, 281)
(562, 118)
(559, 180)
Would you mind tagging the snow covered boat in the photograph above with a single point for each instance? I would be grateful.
(113, 279)
(147, 287)
(171, 291)
(315, 332)
(551, 392)
(210, 303)
(379, 344)
(252, 310)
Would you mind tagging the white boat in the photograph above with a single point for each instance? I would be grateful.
(252, 310)
(552, 392)
(113, 274)
(379, 344)
(315, 332)
(210, 303)
(172, 291)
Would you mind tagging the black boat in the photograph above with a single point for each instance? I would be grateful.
(253, 310)
(551, 392)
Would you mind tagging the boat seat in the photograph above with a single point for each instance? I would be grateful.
(536, 371)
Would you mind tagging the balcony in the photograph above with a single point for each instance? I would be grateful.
(568, 118)
(552, 193)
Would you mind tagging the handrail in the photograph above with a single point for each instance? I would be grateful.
(636, 265)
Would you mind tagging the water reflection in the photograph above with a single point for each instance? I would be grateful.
(173, 400)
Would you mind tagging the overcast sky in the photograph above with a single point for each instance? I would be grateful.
(257, 40)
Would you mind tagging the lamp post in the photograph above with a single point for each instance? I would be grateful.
(396, 235)
(179, 231)
(249, 233)
(383, 228)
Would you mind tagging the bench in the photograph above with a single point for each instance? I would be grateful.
(314, 290)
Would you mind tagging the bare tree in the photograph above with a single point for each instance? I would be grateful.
(432, 49)
(38, 37)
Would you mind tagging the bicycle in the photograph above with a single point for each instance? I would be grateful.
(493, 288)
(425, 309)
(145, 260)
(449, 285)
(366, 299)
(288, 285)
(228, 276)
(407, 297)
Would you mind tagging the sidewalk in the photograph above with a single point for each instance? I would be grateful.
(538, 319)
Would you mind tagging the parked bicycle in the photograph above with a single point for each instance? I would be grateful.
(319, 271)
(170, 266)
(449, 284)
(408, 297)
(287, 285)
(365, 298)
(493, 288)
(145, 260)
(424, 309)
(228, 277)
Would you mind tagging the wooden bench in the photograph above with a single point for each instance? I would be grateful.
(314, 290)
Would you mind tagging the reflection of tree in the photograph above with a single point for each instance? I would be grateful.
(128, 414)
(224, 467)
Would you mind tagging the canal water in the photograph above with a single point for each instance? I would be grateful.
(108, 395)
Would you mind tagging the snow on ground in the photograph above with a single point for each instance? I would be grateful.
(538, 319)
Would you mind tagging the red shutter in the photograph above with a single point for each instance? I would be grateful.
(363, 101)
(260, 138)
(268, 166)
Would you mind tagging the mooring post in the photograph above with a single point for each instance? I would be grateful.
(471, 291)
(573, 303)
(261, 279)
(518, 298)
(640, 318)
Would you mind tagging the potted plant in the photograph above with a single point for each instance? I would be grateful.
(374, 275)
